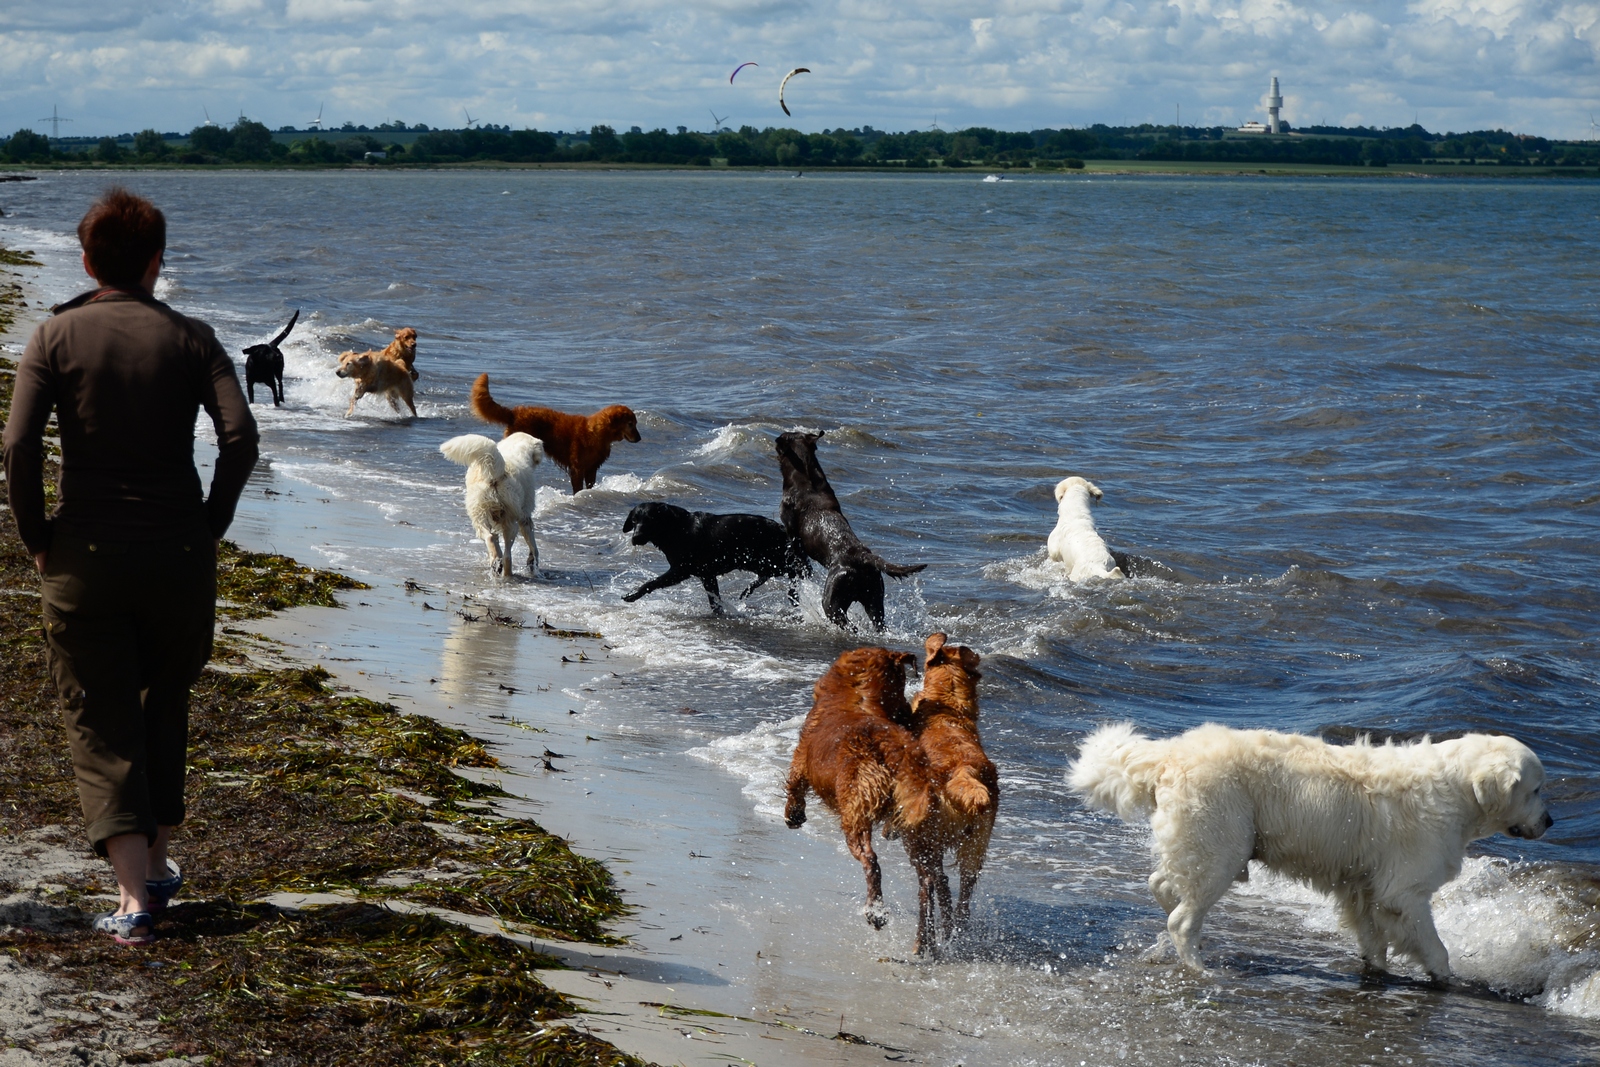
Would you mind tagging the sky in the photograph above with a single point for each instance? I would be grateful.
(1532, 66)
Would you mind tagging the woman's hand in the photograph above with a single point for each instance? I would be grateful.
(40, 559)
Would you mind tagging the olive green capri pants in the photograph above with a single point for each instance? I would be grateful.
(128, 628)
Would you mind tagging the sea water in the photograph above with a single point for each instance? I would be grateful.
(1358, 421)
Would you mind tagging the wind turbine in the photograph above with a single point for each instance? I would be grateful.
(1591, 126)
(470, 119)
(55, 120)
(716, 123)
(208, 115)
(934, 125)
(316, 123)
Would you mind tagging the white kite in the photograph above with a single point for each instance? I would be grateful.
(785, 82)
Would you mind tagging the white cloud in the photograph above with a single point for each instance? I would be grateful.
(1530, 65)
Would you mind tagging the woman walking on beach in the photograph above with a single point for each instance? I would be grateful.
(129, 555)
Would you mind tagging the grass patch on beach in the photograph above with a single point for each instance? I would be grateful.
(295, 787)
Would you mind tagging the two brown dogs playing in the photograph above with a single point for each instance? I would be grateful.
(388, 372)
(918, 768)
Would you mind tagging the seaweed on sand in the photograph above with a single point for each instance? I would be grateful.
(252, 585)
(12, 295)
(339, 984)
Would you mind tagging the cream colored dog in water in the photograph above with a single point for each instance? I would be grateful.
(1075, 542)
(1377, 827)
(500, 491)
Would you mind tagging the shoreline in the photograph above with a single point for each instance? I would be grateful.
(678, 835)
(637, 1001)
(1092, 167)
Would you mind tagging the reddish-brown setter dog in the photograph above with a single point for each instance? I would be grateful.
(578, 444)
(944, 717)
(855, 752)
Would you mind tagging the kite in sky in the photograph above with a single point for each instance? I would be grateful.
(785, 82)
(740, 67)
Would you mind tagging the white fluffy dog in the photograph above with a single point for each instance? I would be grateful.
(1075, 542)
(1377, 827)
(500, 491)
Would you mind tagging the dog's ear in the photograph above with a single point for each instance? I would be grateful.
(631, 521)
(1094, 490)
(932, 646)
(905, 660)
(1061, 489)
(1493, 784)
(969, 659)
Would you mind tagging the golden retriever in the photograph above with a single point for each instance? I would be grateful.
(857, 754)
(1075, 542)
(374, 372)
(944, 717)
(578, 444)
(1377, 827)
(404, 349)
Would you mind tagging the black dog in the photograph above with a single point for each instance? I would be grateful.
(264, 364)
(811, 513)
(701, 545)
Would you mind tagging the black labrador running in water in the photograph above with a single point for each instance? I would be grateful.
(701, 545)
(264, 364)
(811, 513)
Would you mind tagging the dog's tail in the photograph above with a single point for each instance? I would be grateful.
(1116, 771)
(896, 570)
(521, 452)
(278, 340)
(472, 448)
(484, 406)
(966, 793)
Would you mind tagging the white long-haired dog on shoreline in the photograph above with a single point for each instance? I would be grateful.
(500, 491)
(1075, 542)
(1377, 827)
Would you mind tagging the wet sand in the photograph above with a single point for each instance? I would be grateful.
(727, 903)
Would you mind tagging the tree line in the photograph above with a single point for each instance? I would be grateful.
(251, 142)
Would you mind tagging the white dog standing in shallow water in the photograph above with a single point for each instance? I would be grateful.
(1075, 542)
(500, 491)
(1377, 827)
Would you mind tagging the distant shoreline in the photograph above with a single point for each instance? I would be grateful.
(1105, 167)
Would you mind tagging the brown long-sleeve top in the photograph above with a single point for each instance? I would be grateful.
(126, 376)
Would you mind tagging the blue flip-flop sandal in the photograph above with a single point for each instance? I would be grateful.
(160, 892)
(124, 928)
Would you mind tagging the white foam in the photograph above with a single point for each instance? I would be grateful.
(1035, 571)
(1519, 929)
(760, 757)
(734, 439)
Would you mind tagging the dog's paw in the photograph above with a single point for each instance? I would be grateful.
(876, 915)
(631, 597)
(1160, 952)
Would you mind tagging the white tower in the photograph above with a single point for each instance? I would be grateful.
(1274, 103)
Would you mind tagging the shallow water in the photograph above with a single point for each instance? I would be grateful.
(1357, 419)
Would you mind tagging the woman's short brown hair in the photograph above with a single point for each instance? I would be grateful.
(121, 233)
